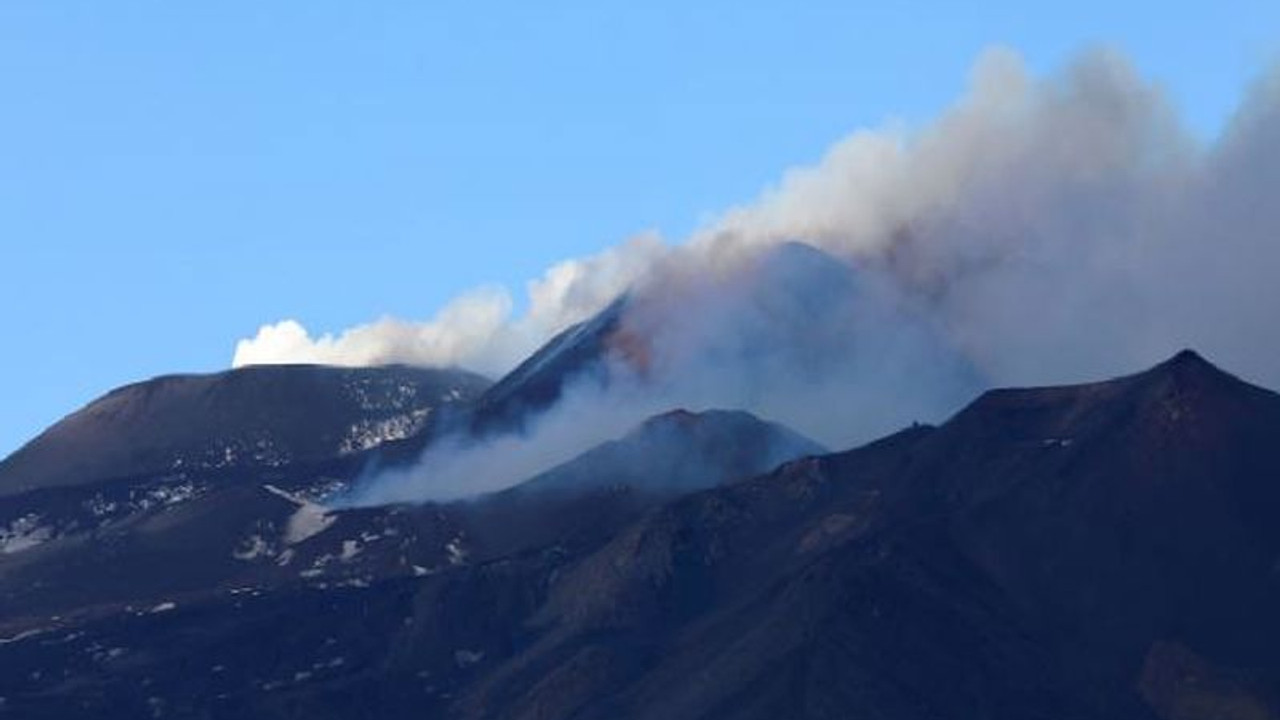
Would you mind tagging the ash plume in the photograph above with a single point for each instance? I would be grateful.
(476, 330)
(1042, 230)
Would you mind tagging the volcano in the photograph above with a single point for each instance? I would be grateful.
(1098, 551)
(249, 418)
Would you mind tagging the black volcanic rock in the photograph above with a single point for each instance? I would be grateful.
(587, 498)
(681, 451)
(253, 417)
(146, 540)
(579, 352)
(1059, 552)
(1095, 552)
(1124, 512)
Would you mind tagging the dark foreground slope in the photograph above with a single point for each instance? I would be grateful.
(1105, 550)
(1096, 551)
(141, 542)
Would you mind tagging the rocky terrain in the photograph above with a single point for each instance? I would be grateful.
(1095, 551)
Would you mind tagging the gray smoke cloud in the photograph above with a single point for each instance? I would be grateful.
(1042, 230)
(792, 335)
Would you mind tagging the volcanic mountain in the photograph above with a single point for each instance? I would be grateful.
(1099, 551)
(586, 499)
(680, 451)
(143, 540)
(250, 418)
(794, 310)
(1103, 550)
(782, 334)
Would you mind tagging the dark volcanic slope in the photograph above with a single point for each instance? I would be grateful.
(1121, 513)
(253, 417)
(140, 541)
(668, 455)
(578, 352)
(1103, 551)
(681, 451)
(788, 283)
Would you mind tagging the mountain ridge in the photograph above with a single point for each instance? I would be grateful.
(258, 416)
(1101, 551)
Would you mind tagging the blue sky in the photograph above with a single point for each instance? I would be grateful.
(173, 175)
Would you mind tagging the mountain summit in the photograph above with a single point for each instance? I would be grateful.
(253, 417)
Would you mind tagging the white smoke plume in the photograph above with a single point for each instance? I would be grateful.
(836, 359)
(1042, 230)
(476, 331)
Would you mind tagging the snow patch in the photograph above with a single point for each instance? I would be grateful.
(370, 433)
(170, 490)
(231, 451)
(308, 521)
(173, 494)
(100, 506)
(457, 553)
(23, 635)
(24, 533)
(350, 549)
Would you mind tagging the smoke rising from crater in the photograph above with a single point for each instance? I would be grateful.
(477, 330)
(1041, 230)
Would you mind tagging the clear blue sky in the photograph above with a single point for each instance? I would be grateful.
(173, 174)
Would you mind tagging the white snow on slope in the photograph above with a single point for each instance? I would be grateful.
(308, 521)
(24, 533)
(369, 433)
